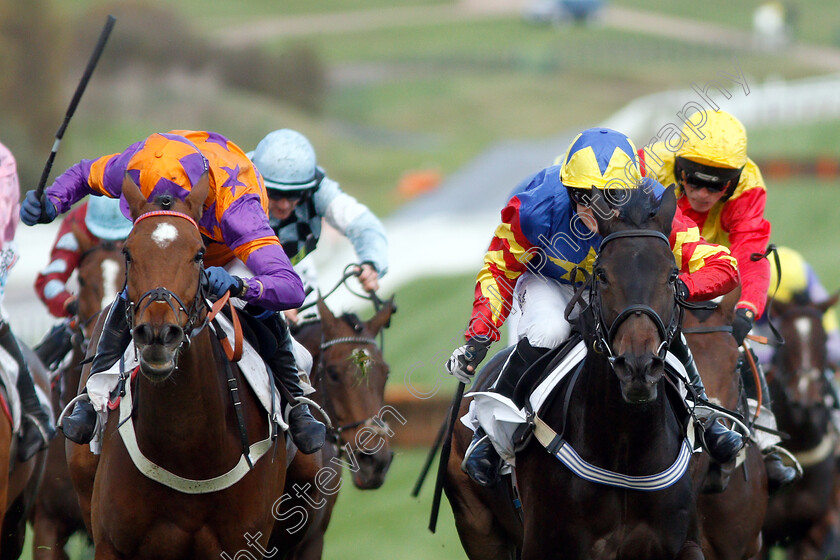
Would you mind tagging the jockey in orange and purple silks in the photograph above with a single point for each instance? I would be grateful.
(235, 229)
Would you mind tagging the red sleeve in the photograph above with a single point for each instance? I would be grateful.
(63, 261)
(743, 219)
(708, 270)
(506, 259)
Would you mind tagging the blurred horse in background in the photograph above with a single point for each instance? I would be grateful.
(349, 376)
(57, 515)
(805, 519)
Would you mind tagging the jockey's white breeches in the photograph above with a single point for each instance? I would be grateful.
(541, 303)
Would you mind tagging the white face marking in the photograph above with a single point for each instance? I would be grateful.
(164, 234)
(803, 329)
(110, 268)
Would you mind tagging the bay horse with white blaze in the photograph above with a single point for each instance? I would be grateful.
(57, 516)
(805, 520)
(349, 374)
(185, 504)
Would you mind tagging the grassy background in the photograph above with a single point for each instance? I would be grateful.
(434, 96)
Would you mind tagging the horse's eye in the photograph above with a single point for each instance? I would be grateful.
(199, 256)
(333, 374)
(127, 254)
(81, 282)
(673, 276)
(601, 276)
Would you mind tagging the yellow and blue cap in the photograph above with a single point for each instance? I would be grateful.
(601, 158)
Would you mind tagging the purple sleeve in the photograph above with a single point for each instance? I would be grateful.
(71, 186)
(276, 285)
(245, 227)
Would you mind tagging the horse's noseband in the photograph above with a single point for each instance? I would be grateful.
(177, 306)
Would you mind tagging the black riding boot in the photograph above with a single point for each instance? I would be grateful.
(307, 432)
(722, 443)
(78, 426)
(56, 344)
(36, 427)
(779, 475)
(483, 463)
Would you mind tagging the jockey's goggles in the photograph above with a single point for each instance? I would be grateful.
(700, 176)
(297, 194)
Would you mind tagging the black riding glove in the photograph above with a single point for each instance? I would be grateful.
(743, 323)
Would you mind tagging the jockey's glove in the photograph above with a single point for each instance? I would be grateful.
(743, 323)
(220, 281)
(34, 211)
(681, 290)
(468, 355)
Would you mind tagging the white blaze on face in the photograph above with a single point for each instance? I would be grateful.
(803, 329)
(164, 235)
(110, 269)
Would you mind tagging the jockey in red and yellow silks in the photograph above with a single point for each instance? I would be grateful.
(547, 230)
(737, 219)
(539, 224)
(722, 190)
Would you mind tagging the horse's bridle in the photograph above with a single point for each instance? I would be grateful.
(373, 422)
(603, 334)
(196, 316)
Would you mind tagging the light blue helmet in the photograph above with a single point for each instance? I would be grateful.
(105, 220)
(287, 162)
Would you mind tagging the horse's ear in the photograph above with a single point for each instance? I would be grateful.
(198, 194)
(382, 319)
(667, 208)
(134, 197)
(328, 320)
(824, 306)
(82, 238)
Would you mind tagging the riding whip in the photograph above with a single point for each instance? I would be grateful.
(444, 454)
(430, 458)
(80, 89)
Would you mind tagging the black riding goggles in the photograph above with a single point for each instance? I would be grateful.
(700, 176)
(298, 194)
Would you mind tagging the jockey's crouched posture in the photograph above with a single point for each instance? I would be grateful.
(233, 225)
(547, 229)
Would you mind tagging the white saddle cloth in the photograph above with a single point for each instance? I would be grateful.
(101, 385)
(500, 417)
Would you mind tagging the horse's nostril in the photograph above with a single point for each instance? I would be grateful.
(142, 334)
(171, 335)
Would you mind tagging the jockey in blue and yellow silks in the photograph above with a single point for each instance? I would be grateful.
(547, 230)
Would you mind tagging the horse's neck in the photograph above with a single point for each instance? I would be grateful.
(598, 413)
(193, 403)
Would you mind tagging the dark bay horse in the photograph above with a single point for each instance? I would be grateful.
(57, 516)
(193, 504)
(805, 519)
(730, 521)
(617, 415)
(349, 375)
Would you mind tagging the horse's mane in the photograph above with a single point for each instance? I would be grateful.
(353, 320)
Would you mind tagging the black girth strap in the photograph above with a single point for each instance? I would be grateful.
(233, 386)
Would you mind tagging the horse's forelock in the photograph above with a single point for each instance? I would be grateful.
(353, 320)
(637, 208)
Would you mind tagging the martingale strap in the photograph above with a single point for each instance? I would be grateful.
(233, 353)
(566, 454)
(185, 485)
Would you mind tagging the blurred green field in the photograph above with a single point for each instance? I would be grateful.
(403, 98)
